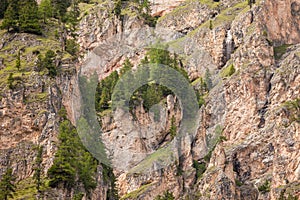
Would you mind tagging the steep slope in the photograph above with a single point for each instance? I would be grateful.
(246, 144)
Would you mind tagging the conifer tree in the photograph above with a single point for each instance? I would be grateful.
(38, 169)
(45, 10)
(11, 16)
(18, 61)
(10, 81)
(28, 17)
(48, 62)
(3, 7)
(7, 187)
(60, 7)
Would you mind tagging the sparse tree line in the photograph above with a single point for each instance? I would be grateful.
(27, 16)
(142, 9)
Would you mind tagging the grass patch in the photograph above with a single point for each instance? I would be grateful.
(229, 14)
(135, 194)
(163, 155)
(280, 50)
(238, 183)
(228, 71)
(265, 187)
(293, 110)
(25, 189)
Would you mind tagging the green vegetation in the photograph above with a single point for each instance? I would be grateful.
(173, 127)
(73, 164)
(228, 71)
(47, 62)
(135, 8)
(18, 61)
(105, 89)
(200, 168)
(10, 81)
(265, 187)
(163, 155)
(280, 50)
(45, 10)
(150, 94)
(7, 187)
(189, 5)
(38, 169)
(26, 189)
(166, 196)
(210, 25)
(289, 197)
(3, 7)
(72, 47)
(135, 194)
(238, 183)
(22, 16)
(292, 109)
(250, 2)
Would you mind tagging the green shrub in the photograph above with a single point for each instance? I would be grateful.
(173, 128)
(238, 183)
(72, 47)
(10, 81)
(264, 188)
(200, 168)
(166, 196)
(7, 187)
(293, 110)
(280, 50)
(228, 71)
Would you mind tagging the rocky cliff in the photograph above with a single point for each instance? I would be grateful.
(246, 143)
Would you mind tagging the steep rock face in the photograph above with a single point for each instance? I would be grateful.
(252, 108)
(281, 19)
(241, 106)
(28, 111)
(162, 7)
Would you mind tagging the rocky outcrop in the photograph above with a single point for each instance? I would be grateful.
(281, 19)
(247, 140)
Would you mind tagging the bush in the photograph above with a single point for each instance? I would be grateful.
(228, 71)
(7, 187)
(166, 196)
(72, 47)
(200, 168)
(10, 81)
(264, 188)
(238, 183)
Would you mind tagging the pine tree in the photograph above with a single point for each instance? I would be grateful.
(38, 169)
(60, 7)
(10, 81)
(11, 16)
(48, 63)
(87, 170)
(45, 10)
(18, 61)
(105, 97)
(7, 187)
(3, 7)
(72, 16)
(63, 171)
(173, 128)
(28, 17)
